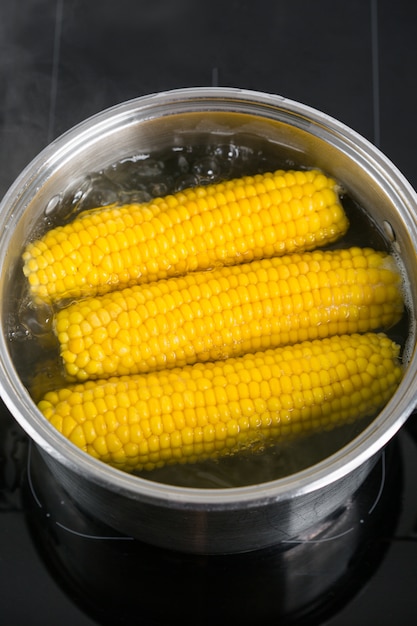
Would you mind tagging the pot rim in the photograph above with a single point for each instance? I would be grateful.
(362, 448)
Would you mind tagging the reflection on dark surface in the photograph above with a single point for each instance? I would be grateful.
(114, 578)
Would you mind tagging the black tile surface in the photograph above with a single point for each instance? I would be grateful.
(64, 60)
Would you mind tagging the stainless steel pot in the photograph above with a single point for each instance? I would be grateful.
(189, 519)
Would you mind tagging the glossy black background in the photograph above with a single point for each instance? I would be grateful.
(64, 60)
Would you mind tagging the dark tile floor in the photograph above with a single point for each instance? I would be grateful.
(64, 60)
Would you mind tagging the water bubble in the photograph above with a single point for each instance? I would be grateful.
(70, 204)
(134, 196)
(100, 191)
(34, 322)
(53, 205)
(186, 181)
(160, 188)
(123, 173)
(245, 154)
(182, 165)
(207, 170)
(227, 152)
(18, 334)
(150, 168)
(389, 231)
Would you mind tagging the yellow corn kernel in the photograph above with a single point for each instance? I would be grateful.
(362, 372)
(114, 247)
(214, 315)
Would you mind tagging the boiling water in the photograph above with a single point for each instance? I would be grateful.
(138, 179)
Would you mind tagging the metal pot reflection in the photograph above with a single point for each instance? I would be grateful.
(306, 580)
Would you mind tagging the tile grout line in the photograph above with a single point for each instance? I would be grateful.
(55, 68)
(375, 72)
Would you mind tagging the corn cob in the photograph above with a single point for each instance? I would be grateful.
(200, 228)
(230, 311)
(211, 409)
